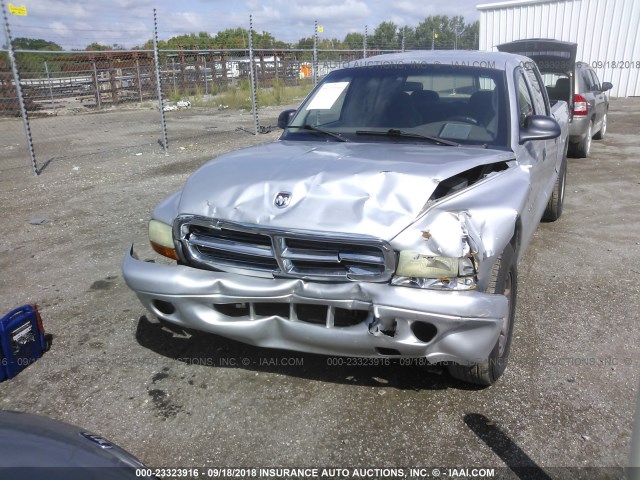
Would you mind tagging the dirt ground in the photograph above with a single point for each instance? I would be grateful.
(566, 399)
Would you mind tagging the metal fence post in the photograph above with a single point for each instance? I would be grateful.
(16, 79)
(53, 103)
(173, 73)
(252, 79)
(275, 63)
(95, 78)
(364, 43)
(206, 83)
(315, 52)
(165, 143)
(138, 78)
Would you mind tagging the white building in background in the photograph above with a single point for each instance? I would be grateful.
(607, 33)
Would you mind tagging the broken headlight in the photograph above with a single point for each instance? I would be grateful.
(420, 270)
(161, 238)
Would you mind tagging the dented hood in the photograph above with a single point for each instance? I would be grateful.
(367, 188)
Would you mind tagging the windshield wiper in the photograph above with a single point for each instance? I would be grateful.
(392, 132)
(306, 126)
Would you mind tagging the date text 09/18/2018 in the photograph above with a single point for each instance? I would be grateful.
(621, 64)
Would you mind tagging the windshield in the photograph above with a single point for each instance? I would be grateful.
(462, 104)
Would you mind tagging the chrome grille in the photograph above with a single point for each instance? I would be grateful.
(228, 246)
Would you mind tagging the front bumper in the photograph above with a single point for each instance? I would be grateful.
(441, 326)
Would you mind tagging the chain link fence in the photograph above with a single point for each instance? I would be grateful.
(83, 103)
(110, 98)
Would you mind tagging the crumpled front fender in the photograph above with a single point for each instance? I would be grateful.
(480, 220)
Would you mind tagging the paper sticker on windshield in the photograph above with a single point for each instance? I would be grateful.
(327, 96)
(455, 131)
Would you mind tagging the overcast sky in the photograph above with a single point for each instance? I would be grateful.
(75, 24)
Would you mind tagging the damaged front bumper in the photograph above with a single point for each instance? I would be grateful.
(348, 318)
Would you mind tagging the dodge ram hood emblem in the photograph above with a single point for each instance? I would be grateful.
(282, 199)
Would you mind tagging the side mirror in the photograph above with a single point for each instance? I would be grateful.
(539, 127)
(284, 118)
(606, 86)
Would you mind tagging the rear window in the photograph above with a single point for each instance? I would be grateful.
(558, 86)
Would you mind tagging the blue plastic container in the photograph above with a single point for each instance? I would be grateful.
(3, 362)
(22, 340)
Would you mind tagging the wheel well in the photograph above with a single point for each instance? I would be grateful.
(515, 240)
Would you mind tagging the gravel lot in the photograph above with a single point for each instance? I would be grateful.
(199, 400)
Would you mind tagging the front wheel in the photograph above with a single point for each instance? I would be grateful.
(504, 281)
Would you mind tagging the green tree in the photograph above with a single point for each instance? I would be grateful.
(263, 40)
(458, 27)
(31, 65)
(98, 46)
(23, 43)
(430, 27)
(232, 38)
(148, 45)
(385, 36)
(451, 33)
(190, 41)
(306, 42)
(354, 40)
(409, 37)
(469, 38)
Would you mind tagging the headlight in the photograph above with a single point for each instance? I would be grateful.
(416, 264)
(161, 238)
(419, 270)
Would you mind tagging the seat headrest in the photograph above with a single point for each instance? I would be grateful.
(426, 96)
(563, 83)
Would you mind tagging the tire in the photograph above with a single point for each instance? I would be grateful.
(556, 201)
(504, 280)
(603, 129)
(583, 148)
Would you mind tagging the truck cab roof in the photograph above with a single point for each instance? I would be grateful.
(470, 58)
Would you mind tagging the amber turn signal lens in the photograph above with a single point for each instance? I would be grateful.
(164, 251)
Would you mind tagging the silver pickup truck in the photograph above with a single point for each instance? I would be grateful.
(387, 221)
